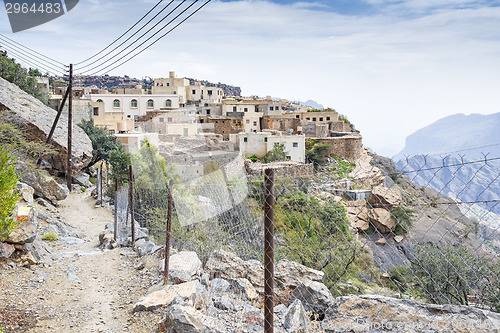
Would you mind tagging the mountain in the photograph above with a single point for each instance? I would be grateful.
(456, 133)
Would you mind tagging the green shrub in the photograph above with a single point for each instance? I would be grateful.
(50, 236)
(403, 216)
(8, 195)
(278, 153)
(254, 158)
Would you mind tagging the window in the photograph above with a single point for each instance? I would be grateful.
(162, 120)
(133, 103)
(151, 104)
(277, 108)
(129, 116)
(320, 118)
(245, 139)
(116, 103)
(168, 103)
(245, 109)
(194, 92)
(314, 119)
(295, 144)
(255, 123)
(186, 131)
(297, 116)
(96, 111)
(265, 139)
(100, 101)
(209, 92)
(271, 108)
(169, 119)
(248, 121)
(208, 111)
(308, 118)
(234, 108)
(327, 118)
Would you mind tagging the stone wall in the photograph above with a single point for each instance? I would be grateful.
(340, 126)
(282, 169)
(347, 147)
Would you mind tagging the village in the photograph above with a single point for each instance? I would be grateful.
(194, 123)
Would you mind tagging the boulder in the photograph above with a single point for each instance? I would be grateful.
(44, 185)
(358, 215)
(82, 179)
(381, 241)
(385, 197)
(193, 292)
(36, 120)
(183, 266)
(184, 318)
(289, 274)
(219, 286)
(26, 192)
(314, 295)
(143, 247)
(6, 250)
(39, 249)
(367, 313)
(25, 231)
(244, 289)
(295, 318)
(398, 238)
(382, 220)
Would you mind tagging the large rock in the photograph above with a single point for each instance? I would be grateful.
(35, 118)
(6, 250)
(184, 318)
(370, 313)
(183, 266)
(44, 185)
(295, 318)
(193, 291)
(26, 193)
(385, 197)
(25, 231)
(244, 289)
(357, 212)
(314, 295)
(382, 220)
(82, 179)
(226, 265)
(289, 274)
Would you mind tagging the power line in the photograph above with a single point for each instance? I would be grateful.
(135, 33)
(60, 63)
(154, 42)
(135, 41)
(33, 64)
(34, 58)
(136, 23)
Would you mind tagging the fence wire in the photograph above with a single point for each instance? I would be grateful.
(424, 229)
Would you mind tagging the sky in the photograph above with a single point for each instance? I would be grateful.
(391, 66)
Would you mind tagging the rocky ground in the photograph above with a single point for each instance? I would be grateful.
(78, 288)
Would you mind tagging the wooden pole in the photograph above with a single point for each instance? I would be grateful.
(70, 126)
(169, 229)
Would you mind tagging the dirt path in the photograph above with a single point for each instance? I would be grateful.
(81, 289)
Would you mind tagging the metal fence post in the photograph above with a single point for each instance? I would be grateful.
(100, 183)
(131, 203)
(116, 210)
(269, 250)
(169, 229)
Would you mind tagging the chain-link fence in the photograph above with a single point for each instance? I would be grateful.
(422, 229)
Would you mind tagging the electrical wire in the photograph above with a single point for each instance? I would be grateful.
(137, 39)
(117, 39)
(60, 63)
(135, 33)
(31, 56)
(31, 63)
(154, 42)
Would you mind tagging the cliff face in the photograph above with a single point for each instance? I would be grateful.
(35, 119)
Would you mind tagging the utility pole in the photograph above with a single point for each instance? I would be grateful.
(70, 126)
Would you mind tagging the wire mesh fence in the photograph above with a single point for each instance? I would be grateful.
(418, 230)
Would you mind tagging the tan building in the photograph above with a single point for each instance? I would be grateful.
(224, 126)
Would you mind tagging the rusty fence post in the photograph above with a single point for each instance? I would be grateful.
(269, 250)
(131, 203)
(100, 183)
(70, 129)
(116, 210)
(168, 229)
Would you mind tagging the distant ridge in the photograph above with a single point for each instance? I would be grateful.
(456, 133)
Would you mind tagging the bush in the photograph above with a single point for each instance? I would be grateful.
(403, 216)
(254, 158)
(8, 195)
(278, 153)
(50, 236)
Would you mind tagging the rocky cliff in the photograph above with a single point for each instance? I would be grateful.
(35, 119)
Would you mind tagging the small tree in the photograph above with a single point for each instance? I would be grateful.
(8, 196)
(278, 153)
(318, 152)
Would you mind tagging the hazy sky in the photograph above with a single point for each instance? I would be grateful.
(391, 66)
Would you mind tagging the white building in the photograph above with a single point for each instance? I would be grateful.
(133, 106)
(262, 142)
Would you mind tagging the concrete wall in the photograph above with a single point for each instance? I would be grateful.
(260, 143)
